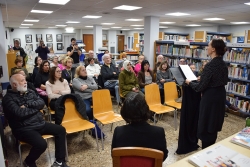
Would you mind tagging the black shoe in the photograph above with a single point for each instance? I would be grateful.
(28, 165)
(57, 164)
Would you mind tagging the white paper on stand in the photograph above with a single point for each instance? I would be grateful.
(188, 72)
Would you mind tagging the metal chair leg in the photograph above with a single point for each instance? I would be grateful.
(102, 137)
(66, 147)
(20, 154)
(154, 119)
(96, 139)
(111, 127)
(175, 119)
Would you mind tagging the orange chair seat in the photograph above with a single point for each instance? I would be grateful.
(108, 117)
(160, 109)
(174, 104)
(44, 136)
(77, 125)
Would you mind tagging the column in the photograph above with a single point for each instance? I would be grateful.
(3, 49)
(97, 31)
(151, 33)
(112, 38)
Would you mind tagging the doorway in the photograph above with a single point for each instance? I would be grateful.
(120, 43)
(67, 41)
(88, 41)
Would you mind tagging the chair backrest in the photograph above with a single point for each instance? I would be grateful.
(101, 101)
(170, 91)
(152, 94)
(71, 112)
(137, 157)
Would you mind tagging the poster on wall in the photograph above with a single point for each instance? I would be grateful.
(28, 38)
(59, 46)
(49, 38)
(29, 47)
(50, 45)
(58, 37)
(18, 39)
(39, 37)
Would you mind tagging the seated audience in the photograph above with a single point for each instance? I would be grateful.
(182, 62)
(19, 65)
(163, 75)
(68, 73)
(128, 82)
(84, 86)
(38, 61)
(137, 132)
(193, 68)
(124, 58)
(203, 62)
(91, 55)
(145, 76)
(54, 61)
(61, 60)
(160, 59)
(93, 70)
(56, 86)
(41, 78)
(138, 65)
(110, 75)
(22, 107)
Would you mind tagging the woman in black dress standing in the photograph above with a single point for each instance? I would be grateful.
(212, 86)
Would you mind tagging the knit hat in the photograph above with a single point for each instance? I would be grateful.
(125, 65)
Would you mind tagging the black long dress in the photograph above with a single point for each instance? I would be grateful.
(188, 140)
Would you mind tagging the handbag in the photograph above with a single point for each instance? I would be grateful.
(41, 92)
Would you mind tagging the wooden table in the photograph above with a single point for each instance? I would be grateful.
(226, 142)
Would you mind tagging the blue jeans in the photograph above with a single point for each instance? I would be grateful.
(89, 110)
(143, 90)
(117, 94)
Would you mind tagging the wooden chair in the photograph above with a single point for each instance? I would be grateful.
(103, 110)
(152, 97)
(50, 111)
(137, 157)
(22, 143)
(73, 122)
(170, 93)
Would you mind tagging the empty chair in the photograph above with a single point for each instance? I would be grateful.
(170, 93)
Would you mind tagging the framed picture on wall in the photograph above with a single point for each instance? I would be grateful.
(104, 37)
(59, 46)
(37, 45)
(28, 38)
(50, 45)
(18, 39)
(39, 37)
(29, 47)
(58, 37)
(49, 38)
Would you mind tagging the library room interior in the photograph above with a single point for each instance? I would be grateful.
(102, 83)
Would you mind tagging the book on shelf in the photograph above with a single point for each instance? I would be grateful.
(181, 51)
(219, 156)
(174, 37)
(182, 73)
(237, 88)
(164, 49)
(210, 37)
(243, 105)
(237, 57)
(242, 138)
(235, 71)
(200, 53)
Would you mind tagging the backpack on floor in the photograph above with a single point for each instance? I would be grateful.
(98, 130)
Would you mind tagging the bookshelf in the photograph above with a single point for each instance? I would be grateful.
(238, 87)
(138, 42)
(247, 36)
(206, 36)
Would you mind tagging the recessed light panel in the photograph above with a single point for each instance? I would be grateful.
(116, 27)
(23, 27)
(137, 25)
(133, 19)
(72, 22)
(41, 11)
(126, 7)
(177, 14)
(27, 24)
(193, 25)
(167, 22)
(125, 29)
(91, 17)
(89, 26)
(139, 28)
(107, 23)
(243, 22)
(213, 19)
(248, 3)
(56, 2)
(163, 27)
(61, 25)
(31, 20)
(52, 27)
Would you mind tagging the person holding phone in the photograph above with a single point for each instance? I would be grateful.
(42, 51)
(74, 52)
(128, 82)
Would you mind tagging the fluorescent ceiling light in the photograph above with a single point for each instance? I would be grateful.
(137, 25)
(23, 27)
(240, 22)
(69, 29)
(27, 24)
(91, 17)
(52, 27)
(31, 20)
(72, 22)
(41, 11)
(213, 19)
(126, 7)
(248, 3)
(125, 29)
(163, 27)
(116, 27)
(57, 2)
(105, 28)
(139, 28)
(167, 22)
(61, 25)
(88, 26)
(177, 14)
(107, 23)
(133, 19)
(193, 25)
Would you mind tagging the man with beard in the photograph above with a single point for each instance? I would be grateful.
(22, 109)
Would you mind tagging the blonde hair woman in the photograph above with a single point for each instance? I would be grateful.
(61, 59)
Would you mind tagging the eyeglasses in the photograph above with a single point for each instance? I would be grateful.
(59, 71)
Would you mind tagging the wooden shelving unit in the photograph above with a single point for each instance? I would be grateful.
(204, 36)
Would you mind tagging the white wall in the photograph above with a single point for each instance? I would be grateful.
(20, 33)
